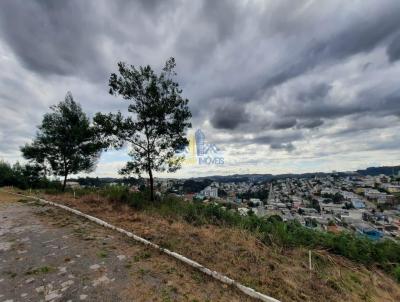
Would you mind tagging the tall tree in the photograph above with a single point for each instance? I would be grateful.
(66, 142)
(6, 174)
(156, 125)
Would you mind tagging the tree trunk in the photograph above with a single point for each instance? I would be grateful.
(151, 185)
(65, 182)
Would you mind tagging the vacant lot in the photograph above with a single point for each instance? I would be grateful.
(48, 254)
(281, 273)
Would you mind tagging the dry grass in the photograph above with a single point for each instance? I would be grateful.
(6, 198)
(281, 273)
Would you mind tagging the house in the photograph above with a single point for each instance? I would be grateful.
(73, 184)
(358, 204)
(391, 188)
(381, 197)
(255, 202)
(210, 191)
(368, 231)
(330, 206)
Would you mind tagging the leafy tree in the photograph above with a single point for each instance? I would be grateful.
(261, 194)
(194, 186)
(158, 120)
(315, 204)
(337, 198)
(33, 175)
(66, 142)
(18, 176)
(22, 176)
(6, 174)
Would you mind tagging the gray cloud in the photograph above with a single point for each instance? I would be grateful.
(276, 141)
(289, 147)
(284, 124)
(316, 93)
(281, 73)
(53, 37)
(393, 49)
(229, 117)
(310, 124)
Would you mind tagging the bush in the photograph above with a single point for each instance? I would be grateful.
(396, 273)
(288, 234)
(122, 194)
(273, 230)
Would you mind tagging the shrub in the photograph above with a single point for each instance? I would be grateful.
(396, 272)
(122, 194)
(273, 230)
(289, 234)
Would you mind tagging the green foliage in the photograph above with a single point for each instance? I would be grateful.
(40, 270)
(23, 176)
(336, 198)
(122, 194)
(6, 174)
(261, 194)
(192, 186)
(66, 143)
(396, 273)
(273, 231)
(157, 121)
(315, 204)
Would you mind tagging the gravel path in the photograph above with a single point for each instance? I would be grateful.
(47, 254)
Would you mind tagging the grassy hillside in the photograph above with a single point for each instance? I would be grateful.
(269, 256)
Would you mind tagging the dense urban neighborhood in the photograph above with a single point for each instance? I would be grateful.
(367, 205)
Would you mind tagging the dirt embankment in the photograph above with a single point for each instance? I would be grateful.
(281, 273)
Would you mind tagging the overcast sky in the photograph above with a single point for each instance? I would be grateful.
(279, 86)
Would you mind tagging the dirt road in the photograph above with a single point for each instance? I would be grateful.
(47, 254)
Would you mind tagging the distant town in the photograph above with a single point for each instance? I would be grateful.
(368, 205)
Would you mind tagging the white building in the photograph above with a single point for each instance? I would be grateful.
(210, 191)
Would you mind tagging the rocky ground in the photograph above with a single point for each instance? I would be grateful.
(47, 254)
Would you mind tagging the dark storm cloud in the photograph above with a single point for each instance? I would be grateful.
(283, 70)
(366, 33)
(70, 37)
(53, 37)
(275, 139)
(316, 93)
(380, 103)
(310, 124)
(284, 124)
(393, 49)
(223, 15)
(361, 35)
(229, 117)
(289, 147)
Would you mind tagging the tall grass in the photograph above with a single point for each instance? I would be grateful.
(271, 231)
(137, 200)
(385, 254)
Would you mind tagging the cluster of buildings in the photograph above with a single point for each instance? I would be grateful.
(367, 205)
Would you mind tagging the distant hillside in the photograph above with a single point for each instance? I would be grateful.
(374, 171)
